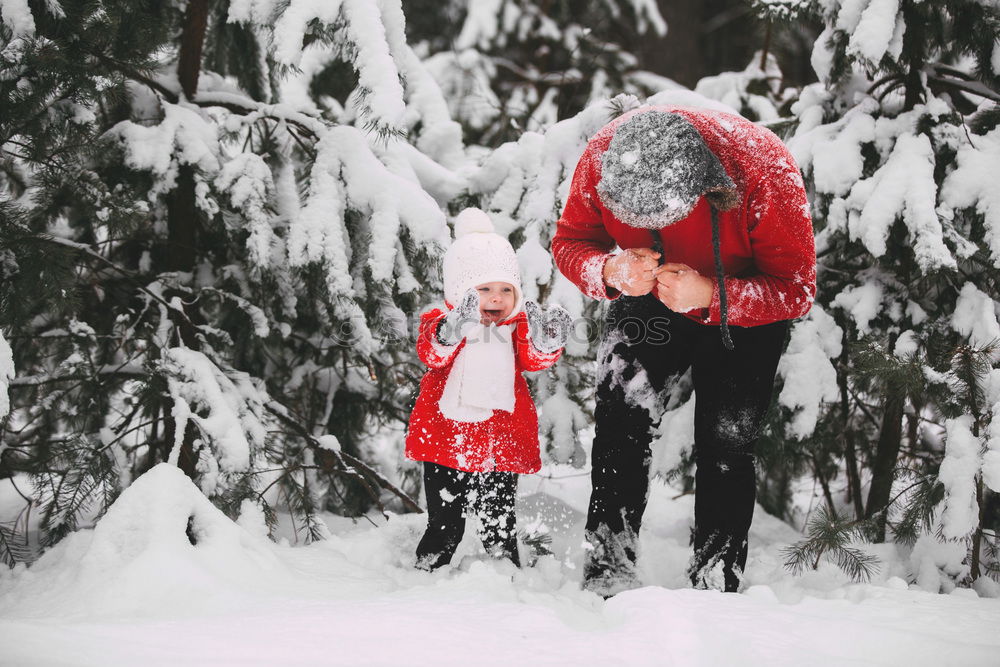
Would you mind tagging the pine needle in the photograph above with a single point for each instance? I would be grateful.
(830, 535)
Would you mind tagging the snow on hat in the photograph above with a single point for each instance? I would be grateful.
(479, 255)
(653, 173)
(656, 168)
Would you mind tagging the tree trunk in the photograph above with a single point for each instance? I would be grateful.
(827, 496)
(182, 218)
(182, 210)
(192, 40)
(182, 222)
(678, 55)
(890, 440)
(764, 50)
(853, 476)
(977, 536)
(913, 44)
(850, 453)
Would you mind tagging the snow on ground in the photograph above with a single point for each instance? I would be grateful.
(135, 591)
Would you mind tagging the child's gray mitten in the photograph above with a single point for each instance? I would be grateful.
(548, 329)
(454, 325)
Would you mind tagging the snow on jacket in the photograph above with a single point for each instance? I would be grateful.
(767, 243)
(507, 442)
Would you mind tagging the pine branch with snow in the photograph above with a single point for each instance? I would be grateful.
(831, 536)
(904, 235)
(163, 270)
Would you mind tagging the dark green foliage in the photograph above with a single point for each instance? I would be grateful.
(81, 478)
(917, 517)
(911, 365)
(92, 301)
(829, 535)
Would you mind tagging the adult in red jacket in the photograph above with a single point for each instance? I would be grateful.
(717, 255)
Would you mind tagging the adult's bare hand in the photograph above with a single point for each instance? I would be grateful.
(633, 271)
(681, 289)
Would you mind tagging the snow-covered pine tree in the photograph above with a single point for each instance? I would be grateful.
(898, 143)
(215, 219)
(508, 66)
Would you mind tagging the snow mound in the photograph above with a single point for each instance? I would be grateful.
(161, 541)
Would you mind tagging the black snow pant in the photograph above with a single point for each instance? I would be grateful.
(491, 495)
(646, 348)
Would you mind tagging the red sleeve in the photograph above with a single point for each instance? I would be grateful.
(784, 254)
(529, 358)
(581, 245)
(429, 349)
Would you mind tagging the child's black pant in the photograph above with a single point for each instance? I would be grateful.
(450, 492)
(645, 350)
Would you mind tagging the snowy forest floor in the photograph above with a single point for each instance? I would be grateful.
(135, 591)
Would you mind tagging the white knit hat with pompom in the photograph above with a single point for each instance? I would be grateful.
(479, 255)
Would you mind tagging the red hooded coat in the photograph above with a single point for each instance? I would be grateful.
(767, 244)
(506, 442)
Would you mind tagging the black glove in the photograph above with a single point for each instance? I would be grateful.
(452, 328)
(548, 329)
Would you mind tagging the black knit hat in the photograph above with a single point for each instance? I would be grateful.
(653, 173)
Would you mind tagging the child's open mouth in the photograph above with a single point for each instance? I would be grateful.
(492, 314)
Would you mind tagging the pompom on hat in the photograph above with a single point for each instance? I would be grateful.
(479, 255)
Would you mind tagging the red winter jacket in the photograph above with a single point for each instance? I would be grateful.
(767, 245)
(507, 441)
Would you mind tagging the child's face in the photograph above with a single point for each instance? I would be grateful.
(496, 300)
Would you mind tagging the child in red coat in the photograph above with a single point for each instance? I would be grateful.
(474, 424)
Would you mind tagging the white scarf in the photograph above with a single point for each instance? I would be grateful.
(481, 379)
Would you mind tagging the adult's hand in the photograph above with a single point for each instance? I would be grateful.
(632, 272)
(682, 289)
